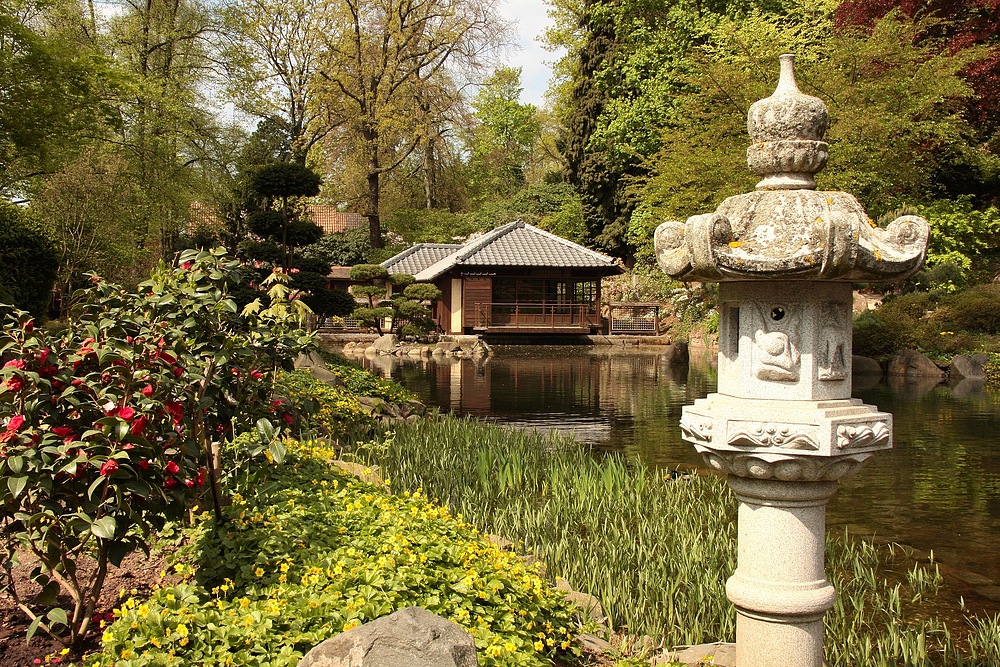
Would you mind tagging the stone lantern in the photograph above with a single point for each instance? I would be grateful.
(783, 425)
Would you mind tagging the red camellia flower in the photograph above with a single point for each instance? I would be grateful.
(189, 483)
(29, 326)
(147, 391)
(15, 363)
(200, 480)
(15, 423)
(186, 266)
(178, 371)
(126, 413)
(139, 425)
(256, 375)
(289, 419)
(109, 467)
(172, 468)
(166, 356)
(43, 355)
(48, 371)
(65, 432)
(15, 383)
(144, 464)
(170, 482)
(175, 409)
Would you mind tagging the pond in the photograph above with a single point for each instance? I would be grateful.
(937, 490)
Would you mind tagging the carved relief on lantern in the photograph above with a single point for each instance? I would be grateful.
(776, 344)
(832, 347)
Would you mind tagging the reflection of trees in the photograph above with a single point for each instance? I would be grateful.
(942, 478)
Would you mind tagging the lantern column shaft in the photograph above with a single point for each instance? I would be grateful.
(779, 587)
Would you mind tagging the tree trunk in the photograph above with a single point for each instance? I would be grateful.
(374, 223)
(430, 175)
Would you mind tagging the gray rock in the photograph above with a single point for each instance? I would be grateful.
(310, 360)
(322, 374)
(448, 346)
(589, 606)
(385, 344)
(969, 367)
(718, 653)
(677, 353)
(865, 366)
(411, 637)
(910, 363)
(370, 474)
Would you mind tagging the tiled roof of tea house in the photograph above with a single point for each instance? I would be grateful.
(415, 259)
(520, 244)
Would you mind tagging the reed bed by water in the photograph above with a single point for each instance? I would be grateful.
(656, 549)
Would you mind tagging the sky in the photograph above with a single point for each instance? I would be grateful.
(531, 19)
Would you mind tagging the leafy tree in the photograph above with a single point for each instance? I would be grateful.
(958, 25)
(384, 71)
(28, 263)
(501, 143)
(271, 61)
(90, 209)
(165, 123)
(341, 249)
(52, 87)
(432, 226)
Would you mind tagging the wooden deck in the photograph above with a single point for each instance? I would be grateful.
(536, 318)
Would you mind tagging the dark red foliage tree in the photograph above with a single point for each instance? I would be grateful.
(965, 23)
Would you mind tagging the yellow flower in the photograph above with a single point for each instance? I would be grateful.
(259, 572)
(539, 646)
(182, 630)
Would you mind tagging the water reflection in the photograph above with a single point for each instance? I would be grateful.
(938, 489)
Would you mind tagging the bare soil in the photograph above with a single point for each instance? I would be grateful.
(137, 576)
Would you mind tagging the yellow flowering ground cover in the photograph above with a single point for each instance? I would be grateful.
(313, 553)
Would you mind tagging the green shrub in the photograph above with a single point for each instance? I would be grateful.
(315, 553)
(324, 410)
(878, 337)
(976, 310)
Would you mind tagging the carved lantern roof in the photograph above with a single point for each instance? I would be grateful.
(786, 229)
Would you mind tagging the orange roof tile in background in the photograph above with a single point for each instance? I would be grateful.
(329, 219)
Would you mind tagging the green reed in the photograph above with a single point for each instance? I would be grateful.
(657, 552)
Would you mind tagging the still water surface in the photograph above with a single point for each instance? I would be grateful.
(938, 489)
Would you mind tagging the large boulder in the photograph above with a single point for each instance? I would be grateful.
(865, 366)
(411, 637)
(910, 363)
(971, 367)
(385, 344)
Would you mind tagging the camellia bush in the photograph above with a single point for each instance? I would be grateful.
(111, 426)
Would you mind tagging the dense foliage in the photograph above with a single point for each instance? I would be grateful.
(314, 553)
(28, 263)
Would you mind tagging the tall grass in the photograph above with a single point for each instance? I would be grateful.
(657, 551)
